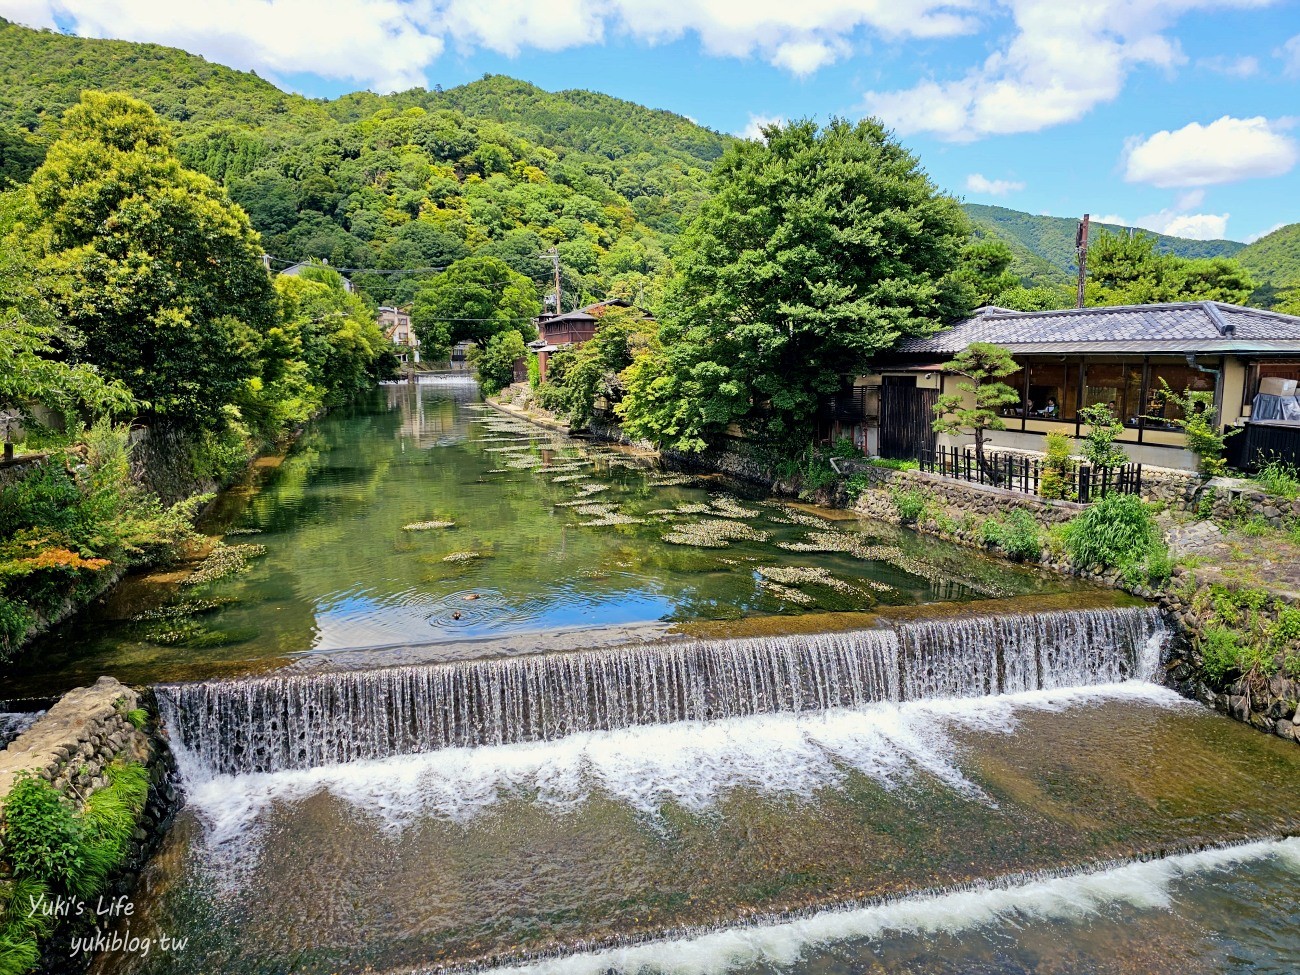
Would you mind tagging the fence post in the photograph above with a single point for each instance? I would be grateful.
(1085, 483)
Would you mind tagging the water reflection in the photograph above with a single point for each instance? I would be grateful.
(544, 532)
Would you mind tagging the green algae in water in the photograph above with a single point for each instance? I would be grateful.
(339, 572)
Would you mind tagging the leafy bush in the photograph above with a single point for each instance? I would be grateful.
(1200, 423)
(1116, 532)
(1018, 535)
(910, 504)
(495, 362)
(534, 372)
(1099, 447)
(1058, 469)
(1220, 651)
(1279, 479)
(54, 851)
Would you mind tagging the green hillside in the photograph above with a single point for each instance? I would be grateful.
(1052, 238)
(1274, 259)
(401, 182)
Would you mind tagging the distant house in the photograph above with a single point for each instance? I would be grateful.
(395, 323)
(554, 332)
(1075, 358)
(296, 269)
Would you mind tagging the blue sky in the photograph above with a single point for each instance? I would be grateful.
(1178, 115)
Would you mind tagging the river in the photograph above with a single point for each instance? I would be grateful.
(483, 696)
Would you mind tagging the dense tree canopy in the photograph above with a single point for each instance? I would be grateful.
(818, 248)
(149, 263)
(475, 298)
(31, 370)
(1127, 270)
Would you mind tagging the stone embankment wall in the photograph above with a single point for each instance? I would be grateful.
(72, 744)
(1270, 704)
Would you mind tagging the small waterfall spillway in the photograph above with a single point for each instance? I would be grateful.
(301, 721)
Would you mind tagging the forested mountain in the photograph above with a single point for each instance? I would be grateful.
(1274, 260)
(401, 182)
(1052, 238)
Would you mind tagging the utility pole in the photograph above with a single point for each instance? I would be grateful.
(1081, 246)
(554, 255)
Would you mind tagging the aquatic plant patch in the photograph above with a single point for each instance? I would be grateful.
(463, 556)
(798, 575)
(224, 560)
(714, 533)
(727, 507)
(427, 526)
(786, 593)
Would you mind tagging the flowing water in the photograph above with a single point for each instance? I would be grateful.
(681, 729)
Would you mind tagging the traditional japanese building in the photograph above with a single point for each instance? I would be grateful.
(1121, 356)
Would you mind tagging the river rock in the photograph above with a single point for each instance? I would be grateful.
(1284, 729)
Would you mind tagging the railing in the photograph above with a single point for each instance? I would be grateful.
(1019, 472)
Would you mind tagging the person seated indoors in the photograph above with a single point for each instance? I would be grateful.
(1050, 408)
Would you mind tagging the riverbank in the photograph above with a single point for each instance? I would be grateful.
(1232, 596)
(89, 776)
(131, 500)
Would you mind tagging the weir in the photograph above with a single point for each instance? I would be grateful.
(293, 721)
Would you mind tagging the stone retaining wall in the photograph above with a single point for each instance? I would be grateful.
(70, 746)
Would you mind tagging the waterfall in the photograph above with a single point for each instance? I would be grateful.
(295, 721)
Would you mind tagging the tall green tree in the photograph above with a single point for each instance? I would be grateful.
(473, 300)
(31, 369)
(148, 262)
(818, 248)
(1124, 270)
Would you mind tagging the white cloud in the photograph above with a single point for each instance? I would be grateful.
(1197, 226)
(382, 43)
(1264, 233)
(1290, 55)
(754, 130)
(1113, 219)
(978, 183)
(1241, 67)
(389, 44)
(1064, 59)
(1226, 150)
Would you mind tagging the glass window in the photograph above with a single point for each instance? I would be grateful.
(1053, 390)
(1017, 382)
(1180, 377)
(1118, 385)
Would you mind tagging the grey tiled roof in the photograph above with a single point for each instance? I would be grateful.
(1202, 326)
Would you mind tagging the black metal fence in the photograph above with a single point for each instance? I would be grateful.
(1020, 472)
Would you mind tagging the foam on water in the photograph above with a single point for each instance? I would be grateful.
(694, 764)
(1142, 885)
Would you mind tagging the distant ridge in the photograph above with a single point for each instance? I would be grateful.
(1051, 239)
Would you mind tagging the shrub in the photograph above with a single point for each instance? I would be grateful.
(1099, 448)
(1200, 422)
(1058, 469)
(1115, 532)
(534, 372)
(856, 486)
(911, 504)
(1220, 651)
(1018, 535)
